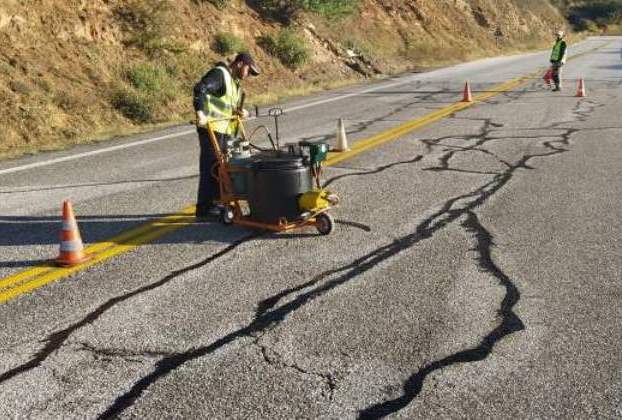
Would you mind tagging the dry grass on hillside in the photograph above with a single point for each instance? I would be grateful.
(74, 71)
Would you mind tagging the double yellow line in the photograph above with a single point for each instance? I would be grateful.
(38, 276)
(31, 279)
(403, 129)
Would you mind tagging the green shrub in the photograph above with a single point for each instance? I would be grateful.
(187, 69)
(358, 46)
(226, 43)
(591, 26)
(136, 106)
(148, 88)
(156, 46)
(331, 9)
(148, 78)
(149, 23)
(288, 47)
(594, 14)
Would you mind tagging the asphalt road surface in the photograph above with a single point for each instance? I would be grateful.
(475, 271)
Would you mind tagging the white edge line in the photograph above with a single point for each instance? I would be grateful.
(92, 153)
(408, 79)
(186, 132)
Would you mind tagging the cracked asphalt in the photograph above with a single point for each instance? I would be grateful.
(476, 268)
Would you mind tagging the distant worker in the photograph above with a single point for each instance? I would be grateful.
(216, 99)
(558, 59)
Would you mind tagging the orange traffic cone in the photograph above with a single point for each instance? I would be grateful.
(468, 97)
(71, 247)
(581, 90)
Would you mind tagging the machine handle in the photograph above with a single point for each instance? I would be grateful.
(276, 112)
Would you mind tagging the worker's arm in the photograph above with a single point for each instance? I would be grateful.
(563, 52)
(213, 84)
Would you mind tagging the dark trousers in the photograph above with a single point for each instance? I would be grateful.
(208, 184)
(557, 72)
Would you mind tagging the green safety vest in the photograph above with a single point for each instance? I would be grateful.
(220, 110)
(556, 54)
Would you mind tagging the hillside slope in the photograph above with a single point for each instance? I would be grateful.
(74, 70)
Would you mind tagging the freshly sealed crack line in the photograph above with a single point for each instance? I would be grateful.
(112, 352)
(377, 170)
(269, 316)
(510, 323)
(57, 339)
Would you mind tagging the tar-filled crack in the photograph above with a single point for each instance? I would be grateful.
(276, 360)
(510, 323)
(365, 125)
(269, 314)
(357, 225)
(581, 111)
(481, 138)
(57, 339)
(377, 170)
(126, 354)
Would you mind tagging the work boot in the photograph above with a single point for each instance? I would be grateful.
(556, 89)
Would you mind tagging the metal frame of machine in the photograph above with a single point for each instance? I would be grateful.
(233, 213)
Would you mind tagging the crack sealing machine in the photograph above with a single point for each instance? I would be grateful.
(277, 189)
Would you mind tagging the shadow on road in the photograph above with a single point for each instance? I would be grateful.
(45, 230)
(614, 67)
(96, 184)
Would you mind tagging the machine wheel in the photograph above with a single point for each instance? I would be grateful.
(325, 223)
(227, 215)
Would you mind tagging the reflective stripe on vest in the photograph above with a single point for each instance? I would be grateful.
(219, 110)
(556, 54)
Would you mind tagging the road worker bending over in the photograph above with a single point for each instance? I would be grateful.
(216, 98)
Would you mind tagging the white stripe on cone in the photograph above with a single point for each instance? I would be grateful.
(70, 225)
(71, 246)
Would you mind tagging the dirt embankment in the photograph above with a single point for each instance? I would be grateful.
(74, 70)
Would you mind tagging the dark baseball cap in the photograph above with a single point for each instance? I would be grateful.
(248, 60)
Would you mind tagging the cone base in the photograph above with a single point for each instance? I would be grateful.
(74, 261)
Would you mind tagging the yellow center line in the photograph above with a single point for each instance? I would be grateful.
(24, 276)
(401, 130)
(40, 275)
(43, 274)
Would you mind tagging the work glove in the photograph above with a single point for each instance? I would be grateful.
(243, 113)
(201, 119)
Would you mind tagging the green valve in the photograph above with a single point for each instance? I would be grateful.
(318, 152)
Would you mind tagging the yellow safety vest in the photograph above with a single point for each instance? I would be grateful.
(556, 54)
(220, 110)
